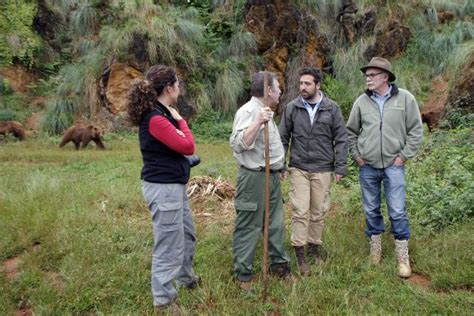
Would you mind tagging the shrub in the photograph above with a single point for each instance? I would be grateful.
(440, 181)
(210, 125)
(337, 91)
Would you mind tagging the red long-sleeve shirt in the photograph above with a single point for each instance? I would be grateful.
(162, 129)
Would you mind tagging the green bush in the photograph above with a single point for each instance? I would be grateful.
(17, 38)
(13, 107)
(210, 125)
(440, 181)
(337, 91)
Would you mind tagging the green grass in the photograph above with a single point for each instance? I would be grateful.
(86, 212)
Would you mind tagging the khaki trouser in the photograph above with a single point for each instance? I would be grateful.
(309, 201)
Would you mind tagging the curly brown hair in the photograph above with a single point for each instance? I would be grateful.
(143, 93)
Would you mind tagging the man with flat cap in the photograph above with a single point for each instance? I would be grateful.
(384, 131)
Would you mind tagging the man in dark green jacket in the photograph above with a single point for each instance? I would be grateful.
(313, 129)
(385, 130)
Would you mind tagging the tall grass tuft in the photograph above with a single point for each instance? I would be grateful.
(241, 44)
(84, 20)
(59, 116)
(229, 86)
(347, 62)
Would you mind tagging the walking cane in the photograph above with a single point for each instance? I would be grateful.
(266, 223)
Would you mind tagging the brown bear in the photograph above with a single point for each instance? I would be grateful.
(81, 135)
(13, 127)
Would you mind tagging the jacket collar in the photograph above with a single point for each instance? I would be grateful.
(393, 92)
(323, 105)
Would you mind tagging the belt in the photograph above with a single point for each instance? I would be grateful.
(260, 169)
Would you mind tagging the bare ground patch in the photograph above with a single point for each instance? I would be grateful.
(11, 267)
(421, 280)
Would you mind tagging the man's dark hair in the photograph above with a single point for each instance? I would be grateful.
(256, 89)
(315, 72)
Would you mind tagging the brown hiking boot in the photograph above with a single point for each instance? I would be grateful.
(303, 267)
(314, 253)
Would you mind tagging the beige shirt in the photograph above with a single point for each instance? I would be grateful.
(253, 156)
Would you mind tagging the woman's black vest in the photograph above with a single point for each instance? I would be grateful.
(160, 163)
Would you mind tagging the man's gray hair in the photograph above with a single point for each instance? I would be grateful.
(256, 89)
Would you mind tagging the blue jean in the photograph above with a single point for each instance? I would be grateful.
(393, 179)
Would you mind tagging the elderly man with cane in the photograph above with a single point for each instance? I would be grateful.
(247, 141)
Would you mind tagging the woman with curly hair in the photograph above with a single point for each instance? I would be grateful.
(164, 140)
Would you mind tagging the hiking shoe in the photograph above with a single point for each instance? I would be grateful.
(303, 267)
(401, 250)
(375, 249)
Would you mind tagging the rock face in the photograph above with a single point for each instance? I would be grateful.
(390, 42)
(283, 35)
(431, 111)
(461, 95)
(118, 84)
(272, 22)
(274, 25)
(47, 22)
(115, 84)
(355, 26)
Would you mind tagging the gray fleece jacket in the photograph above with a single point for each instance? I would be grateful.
(379, 139)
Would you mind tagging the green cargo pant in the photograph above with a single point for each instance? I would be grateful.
(250, 208)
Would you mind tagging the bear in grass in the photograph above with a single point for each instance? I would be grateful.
(81, 135)
(12, 127)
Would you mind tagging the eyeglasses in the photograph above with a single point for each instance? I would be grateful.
(371, 76)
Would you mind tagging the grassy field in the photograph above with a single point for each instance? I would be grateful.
(76, 238)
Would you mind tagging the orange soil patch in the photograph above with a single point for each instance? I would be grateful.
(23, 312)
(10, 267)
(438, 96)
(420, 280)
